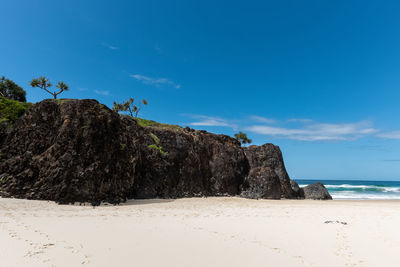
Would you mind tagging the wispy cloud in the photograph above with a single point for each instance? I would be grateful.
(155, 81)
(262, 119)
(111, 47)
(102, 92)
(308, 130)
(318, 131)
(300, 120)
(212, 121)
(389, 135)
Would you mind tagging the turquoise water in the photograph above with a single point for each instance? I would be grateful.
(352, 189)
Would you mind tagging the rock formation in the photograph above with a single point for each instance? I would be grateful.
(316, 191)
(81, 151)
(269, 155)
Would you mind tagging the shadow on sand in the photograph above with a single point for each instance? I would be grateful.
(131, 202)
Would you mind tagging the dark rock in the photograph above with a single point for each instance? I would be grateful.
(81, 151)
(316, 191)
(190, 163)
(70, 150)
(269, 155)
(262, 182)
(296, 189)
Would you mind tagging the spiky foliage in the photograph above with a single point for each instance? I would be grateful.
(44, 84)
(130, 106)
(11, 90)
(242, 138)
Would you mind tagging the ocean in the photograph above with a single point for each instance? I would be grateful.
(357, 189)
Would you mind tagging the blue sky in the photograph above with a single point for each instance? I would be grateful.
(321, 79)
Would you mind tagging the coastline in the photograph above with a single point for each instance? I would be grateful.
(214, 231)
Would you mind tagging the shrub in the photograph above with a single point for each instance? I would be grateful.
(11, 110)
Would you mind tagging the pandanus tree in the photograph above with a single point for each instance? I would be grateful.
(242, 138)
(130, 106)
(44, 84)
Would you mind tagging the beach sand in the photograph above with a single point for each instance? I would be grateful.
(201, 232)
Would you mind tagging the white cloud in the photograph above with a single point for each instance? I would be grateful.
(155, 81)
(389, 135)
(111, 47)
(318, 131)
(262, 119)
(102, 92)
(212, 121)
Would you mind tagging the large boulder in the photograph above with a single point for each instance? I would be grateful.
(262, 182)
(316, 191)
(269, 155)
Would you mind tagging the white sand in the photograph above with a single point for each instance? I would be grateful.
(201, 232)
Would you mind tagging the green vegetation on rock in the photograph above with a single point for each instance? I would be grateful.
(155, 138)
(150, 123)
(159, 148)
(11, 110)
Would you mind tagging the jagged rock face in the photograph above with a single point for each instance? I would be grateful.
(270, 156)
(316, 191)
(262, 182)
(70, 150)
(190, 163)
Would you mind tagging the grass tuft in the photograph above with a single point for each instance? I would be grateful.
(159, 148)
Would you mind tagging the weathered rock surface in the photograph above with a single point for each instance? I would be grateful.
(189, 163)
(262, 182)
(316, 191)
(269, 155)
(81, 151)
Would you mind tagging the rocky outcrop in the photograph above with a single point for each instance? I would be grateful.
(269, 155)
(81, 151)
(316, 191)
(70, 150)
